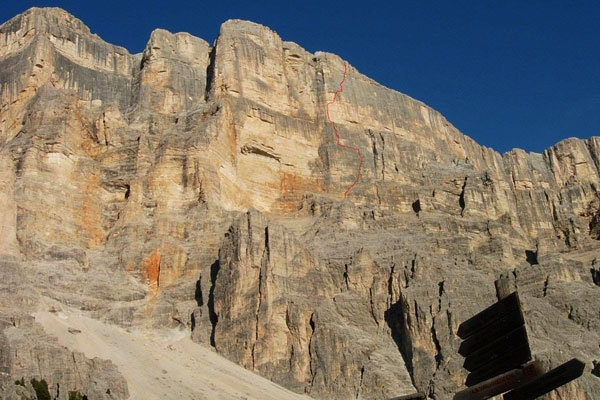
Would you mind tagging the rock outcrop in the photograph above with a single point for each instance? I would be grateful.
(29, 355)
(203, 187)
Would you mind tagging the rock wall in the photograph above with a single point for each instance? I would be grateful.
(28, 354)
(202, 186)
(302, 322)
(35, 356)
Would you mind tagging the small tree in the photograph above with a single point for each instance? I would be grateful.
(41, 389)
(75, 395)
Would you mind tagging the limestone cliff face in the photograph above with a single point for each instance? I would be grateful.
(203, 186)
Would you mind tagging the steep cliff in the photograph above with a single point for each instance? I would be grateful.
(202, 187)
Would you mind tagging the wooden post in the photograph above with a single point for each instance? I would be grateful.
(501, 383)
(502, 287)
(551, 380)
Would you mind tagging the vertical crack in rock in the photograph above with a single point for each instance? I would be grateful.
(196, 314)
(372, 306)
(249, 247)
(360, 382)
(438, 348)
(264, 265)
(374, 149)
(210, 73)
(382, 156)
(257, 318)
(438, 355)
(199, 298)
(377, 154)
(212, 315)
(136, 85)
(312, 370)
(288, 325)
(267, 251)
(461, 197)
(184, 172)
(440, 294)
(449, 315)
(346, 279)
(488, 229)
(76, 366)
(320, 91)
(378, 195)
(409, 274)
(292, 354)
(390, 285)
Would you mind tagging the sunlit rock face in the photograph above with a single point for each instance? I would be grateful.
(202, 186)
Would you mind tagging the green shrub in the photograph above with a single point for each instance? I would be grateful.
(75, 395)
(20, 382)
(41, 389)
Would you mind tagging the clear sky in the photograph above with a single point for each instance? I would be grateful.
(508, 73)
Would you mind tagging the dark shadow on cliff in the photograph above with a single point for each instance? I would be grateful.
(198, 293)
(199, 297)
(212, 315)
(396, 320)
(210, 72)
(531, 256)
(595, 276)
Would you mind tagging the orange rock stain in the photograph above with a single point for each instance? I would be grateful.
(150, 268)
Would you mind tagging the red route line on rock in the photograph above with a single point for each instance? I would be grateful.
(337, 134)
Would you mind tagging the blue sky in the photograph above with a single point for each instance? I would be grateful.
(507, 73)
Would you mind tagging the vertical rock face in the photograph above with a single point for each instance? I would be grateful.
(173, 72)
(202, 186)
(302, 322)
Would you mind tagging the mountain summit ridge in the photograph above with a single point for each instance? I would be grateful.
(201, 187)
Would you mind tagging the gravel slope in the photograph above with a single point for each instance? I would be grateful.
(162, 364)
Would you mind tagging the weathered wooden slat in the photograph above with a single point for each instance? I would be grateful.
(513, 357)
(496, 349)
(499, 310)
(497, 328)
(547, 382)
(501, 383)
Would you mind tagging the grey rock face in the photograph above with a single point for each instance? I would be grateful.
(311, 328)
(27, 353)
(202, 187)
(34, 355)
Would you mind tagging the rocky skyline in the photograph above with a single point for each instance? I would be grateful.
(200, 188)
(510, 74)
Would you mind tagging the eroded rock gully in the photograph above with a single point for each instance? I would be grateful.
(200, 186)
